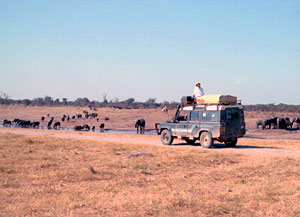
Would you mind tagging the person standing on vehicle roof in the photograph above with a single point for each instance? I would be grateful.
(198, 90)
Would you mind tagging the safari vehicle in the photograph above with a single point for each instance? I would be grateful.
(211, 117)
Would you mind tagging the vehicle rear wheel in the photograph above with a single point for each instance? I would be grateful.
(190, 141)
(166, 137)
(205, 140)
(231, 143)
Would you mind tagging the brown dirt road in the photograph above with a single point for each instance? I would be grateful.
(261, 147)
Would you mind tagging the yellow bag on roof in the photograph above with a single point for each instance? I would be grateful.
(216, 99)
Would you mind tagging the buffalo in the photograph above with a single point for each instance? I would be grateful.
(86, 127)
(49, 123)
(102, 127)
(56, 125)
(78, 128)
(297, 121)
(140, 126)
(93, 115)
(23, 123)
(284, 123)
(260, 123)
(35, 124)
(6, 122)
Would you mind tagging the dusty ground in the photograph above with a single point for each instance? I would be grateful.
(269, 147)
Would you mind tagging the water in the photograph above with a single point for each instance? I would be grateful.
(131, 132)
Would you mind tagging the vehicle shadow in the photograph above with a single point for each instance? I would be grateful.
(223, 146)
(220, 146)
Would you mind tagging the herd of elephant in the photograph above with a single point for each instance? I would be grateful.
(278, 123)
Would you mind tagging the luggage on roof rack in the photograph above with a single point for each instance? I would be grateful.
(216, 99)
(187, 100)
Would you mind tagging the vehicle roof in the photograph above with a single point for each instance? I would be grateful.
(216, 107)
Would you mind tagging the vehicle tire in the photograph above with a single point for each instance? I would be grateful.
(205, 140)
(190, 141)
(231, 143)
(166, 137)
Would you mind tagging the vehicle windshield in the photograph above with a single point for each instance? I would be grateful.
(182, 116)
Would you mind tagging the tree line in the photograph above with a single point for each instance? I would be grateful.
(129, 103)
(273, 108)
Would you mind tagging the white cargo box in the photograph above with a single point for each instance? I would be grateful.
(216, 99)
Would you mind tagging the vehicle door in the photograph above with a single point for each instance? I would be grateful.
(210, 121)
(232, 120)
(194, 123)
(181, 127)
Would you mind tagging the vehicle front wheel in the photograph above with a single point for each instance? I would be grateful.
(205, 140)
(231, 143)
(166, 137)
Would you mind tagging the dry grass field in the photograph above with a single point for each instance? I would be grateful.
(58, 173)
(43, 176)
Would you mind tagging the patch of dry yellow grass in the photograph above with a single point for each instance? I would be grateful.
(269, 143)
(63, 177)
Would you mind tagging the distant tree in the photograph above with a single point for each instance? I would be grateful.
(105, 98)
(26, 102)
(48, 100)
(151, 101)
(82, 101)
(129, 101)
(65, 101)
(38, 101)
(4, 98)
(56, 102)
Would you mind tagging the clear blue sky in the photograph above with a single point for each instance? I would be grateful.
(150, 48)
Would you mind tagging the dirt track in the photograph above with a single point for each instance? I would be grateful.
(262, 147)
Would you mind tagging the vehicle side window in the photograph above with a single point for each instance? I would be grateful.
(195, 116)
(210, 116)
(214, 116)
(183, 116)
